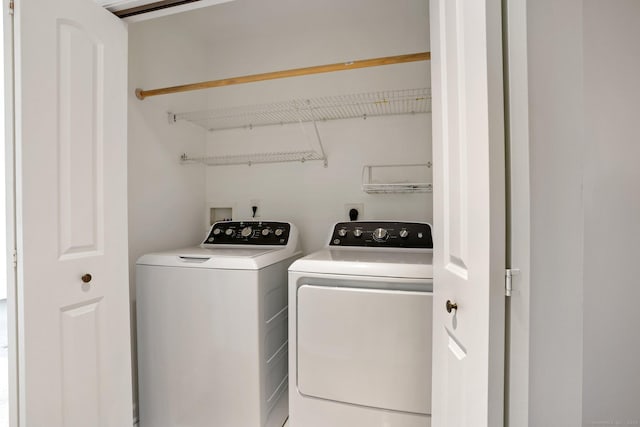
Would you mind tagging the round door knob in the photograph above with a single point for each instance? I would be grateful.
(357, 232)
(342, 232)
(404, 233)
(380, 234)
(86, 278)
(451, 306)
(246, 232)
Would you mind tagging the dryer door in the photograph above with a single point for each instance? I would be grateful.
(369, 347)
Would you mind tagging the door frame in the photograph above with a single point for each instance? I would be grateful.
(518, 211)
(10, 210)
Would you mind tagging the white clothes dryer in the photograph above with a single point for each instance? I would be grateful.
(212, 328)
(360, 319)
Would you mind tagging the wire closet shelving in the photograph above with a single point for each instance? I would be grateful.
(313, 110)
(361, 105)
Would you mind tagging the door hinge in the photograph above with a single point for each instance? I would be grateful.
(14, 257)
(11, 7)
(508, 280)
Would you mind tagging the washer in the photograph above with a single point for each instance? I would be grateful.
(360, 319)
(212, 328)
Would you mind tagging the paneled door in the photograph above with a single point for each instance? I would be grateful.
(71, 162)
(469, 213)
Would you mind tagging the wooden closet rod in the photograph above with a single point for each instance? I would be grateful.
(387, 60)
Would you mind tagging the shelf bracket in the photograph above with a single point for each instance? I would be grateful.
(324, 156)
(315, 128)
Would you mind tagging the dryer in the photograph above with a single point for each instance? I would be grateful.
(212, 328)
(360, 319)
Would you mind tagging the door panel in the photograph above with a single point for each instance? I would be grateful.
(80, 363)
(73, 337)
(469, 212)
(80, 133)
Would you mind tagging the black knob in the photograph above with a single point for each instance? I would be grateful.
(451, 306)
(86, 278)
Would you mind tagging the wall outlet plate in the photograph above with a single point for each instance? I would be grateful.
(358, 206)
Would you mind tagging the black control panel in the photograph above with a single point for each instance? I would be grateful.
(382, 234)
(248, 233)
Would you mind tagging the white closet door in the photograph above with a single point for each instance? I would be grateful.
(71, 132)
(469, 214)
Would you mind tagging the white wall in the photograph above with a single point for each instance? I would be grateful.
(312, 196)
(165, 198)
(555, 59)
(611, 378)
(290, 34)
(583, 63)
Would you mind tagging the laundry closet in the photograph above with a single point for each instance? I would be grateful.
(172, 202)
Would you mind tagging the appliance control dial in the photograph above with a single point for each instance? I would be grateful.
(380, 234)
(342, 232)
(357, 232)
(217, 231)
(404, 233)
(229, 232)
(266, 232)
(246, 232)
(279, 232)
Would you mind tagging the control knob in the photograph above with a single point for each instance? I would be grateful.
(404, 233)
(217, 231)
(246, 232)
(357, 232)
(342, 232)
(279, 232)
(229, 232)
(380, 234)
(266, 232)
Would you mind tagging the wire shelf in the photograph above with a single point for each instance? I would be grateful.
(250, 159)
(410, 187)
(362, 105)
(383, 179)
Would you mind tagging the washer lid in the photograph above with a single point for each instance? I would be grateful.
(395, 263)
(221, 257)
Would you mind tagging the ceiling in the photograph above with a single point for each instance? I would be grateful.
(255, 18)
(137, 10)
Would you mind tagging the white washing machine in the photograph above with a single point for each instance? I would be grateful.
(360, 319)
(212, 329)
